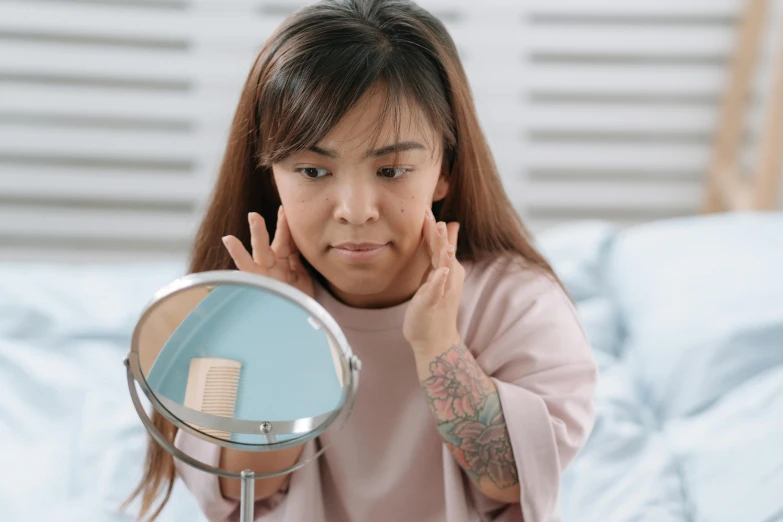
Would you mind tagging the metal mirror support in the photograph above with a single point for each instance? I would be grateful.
(244, 362)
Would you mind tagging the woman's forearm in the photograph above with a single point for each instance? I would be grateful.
(259, 462)
(470, 419)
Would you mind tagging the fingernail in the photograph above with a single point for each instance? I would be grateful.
(442, 229)
(252, 218)
(225, 240)
(451, 252)
(445, 273)
(430, 214)
(279, 211)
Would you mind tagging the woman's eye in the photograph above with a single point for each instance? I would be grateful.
(312, 172)
(392, 172)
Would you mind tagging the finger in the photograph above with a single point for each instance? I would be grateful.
(430, 232)
(444, 259)
(435, 234)
(259, 241)
(438, 241)
(451, 261)
(295, 262)
(436, 287)
(242, 258)
(442, 245)
(453, 233)
(292, 247)
(281, 244)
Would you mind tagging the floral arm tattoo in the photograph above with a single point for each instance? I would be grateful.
(470, 419)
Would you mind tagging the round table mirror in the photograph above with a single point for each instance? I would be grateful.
(241, 361)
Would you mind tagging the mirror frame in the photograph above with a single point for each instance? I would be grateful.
(351, 366)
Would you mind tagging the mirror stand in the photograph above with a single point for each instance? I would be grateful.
(248, 500)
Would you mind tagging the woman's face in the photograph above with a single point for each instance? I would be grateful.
(355, 214)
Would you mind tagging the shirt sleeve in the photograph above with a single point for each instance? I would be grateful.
(540, 360)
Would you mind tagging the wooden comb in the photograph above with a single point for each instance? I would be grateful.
(212, 388)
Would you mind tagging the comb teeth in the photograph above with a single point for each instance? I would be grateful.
(212, 388)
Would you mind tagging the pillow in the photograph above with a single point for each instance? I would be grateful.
(701, 304)
(577, 252)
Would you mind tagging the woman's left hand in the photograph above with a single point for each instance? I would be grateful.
(430, 324)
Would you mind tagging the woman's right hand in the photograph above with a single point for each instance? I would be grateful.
(279, 261)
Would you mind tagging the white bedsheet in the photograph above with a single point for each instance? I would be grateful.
(71, 445)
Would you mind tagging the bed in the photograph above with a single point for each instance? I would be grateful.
(685, 317)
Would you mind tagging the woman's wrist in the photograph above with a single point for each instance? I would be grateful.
(428, 352)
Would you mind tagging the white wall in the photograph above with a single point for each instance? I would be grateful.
(113, 115)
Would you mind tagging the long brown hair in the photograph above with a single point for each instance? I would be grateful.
(310, 72)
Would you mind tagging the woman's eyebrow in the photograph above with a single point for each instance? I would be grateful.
(329, 153)
(396, 147)
(377, 153)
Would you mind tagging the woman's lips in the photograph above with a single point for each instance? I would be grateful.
(359, 254)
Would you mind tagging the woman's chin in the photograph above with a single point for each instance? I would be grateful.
(364, 291)
(359, 284)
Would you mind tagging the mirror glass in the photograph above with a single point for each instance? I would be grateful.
(242, 364)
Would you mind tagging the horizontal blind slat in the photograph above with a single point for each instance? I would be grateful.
(178, 69)
(626, 194)
(670, 42)
(31, 222)
(634, 156)
(22, 140)
(622, 117)
(128, 26)
(24, 182)
(647, 8)
(702, 80)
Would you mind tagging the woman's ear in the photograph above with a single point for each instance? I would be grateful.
(441, 189)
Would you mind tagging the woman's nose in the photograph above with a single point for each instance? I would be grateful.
(357, 202)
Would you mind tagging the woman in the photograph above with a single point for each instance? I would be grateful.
(357, 148)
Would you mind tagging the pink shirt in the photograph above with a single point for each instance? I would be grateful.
(389, 464)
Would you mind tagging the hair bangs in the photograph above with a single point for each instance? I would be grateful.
(304, 97)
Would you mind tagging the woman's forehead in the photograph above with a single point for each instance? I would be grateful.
(374, 123)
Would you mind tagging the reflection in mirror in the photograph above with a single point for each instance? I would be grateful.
(241, 364)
